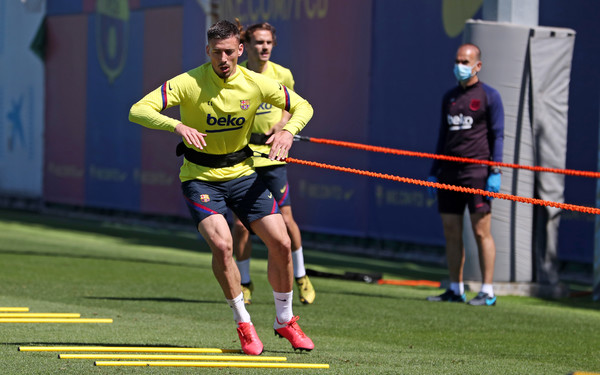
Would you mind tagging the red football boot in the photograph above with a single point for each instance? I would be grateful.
(294, 334)
(251, 344)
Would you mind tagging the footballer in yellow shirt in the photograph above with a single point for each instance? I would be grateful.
(218, 103)
(259, 40)
(223, 109)
(267, 115)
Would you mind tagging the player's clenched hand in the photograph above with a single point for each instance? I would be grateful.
(191, 135)
(280, 142)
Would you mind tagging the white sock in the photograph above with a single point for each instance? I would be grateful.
(240, 314)
(488, 288)
(244, 267)
(283, 308)
(458, 288)
(298, 260)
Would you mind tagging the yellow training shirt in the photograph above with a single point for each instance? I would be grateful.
(225, 110)
(267, 115)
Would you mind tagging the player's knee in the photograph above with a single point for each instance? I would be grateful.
(283, 245)
(287, 244)
(221, 248)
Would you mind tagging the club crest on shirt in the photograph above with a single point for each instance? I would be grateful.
(244, 104)
(475, 104)
(204, 198)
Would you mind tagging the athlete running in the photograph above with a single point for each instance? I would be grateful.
(218, 102)
(259, 40)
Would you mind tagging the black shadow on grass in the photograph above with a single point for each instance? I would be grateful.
(152, 235)
(127, 345)
(155, 299)
(95, 257)
(286, 352)
(355, 263)
(370, 295)
(140, 234)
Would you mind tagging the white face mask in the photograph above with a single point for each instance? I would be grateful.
(463, 72)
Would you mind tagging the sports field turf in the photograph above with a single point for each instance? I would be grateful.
(157, 286)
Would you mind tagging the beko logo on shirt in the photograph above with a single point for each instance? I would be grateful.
(227, 123)
(264, 108)
(460, 122)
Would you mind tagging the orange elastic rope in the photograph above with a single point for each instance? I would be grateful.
(387, 150)
(433, 284)
(437, 185)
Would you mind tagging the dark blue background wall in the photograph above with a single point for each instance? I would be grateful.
(374, 70)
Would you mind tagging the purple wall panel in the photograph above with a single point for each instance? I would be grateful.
(328, 53)
(158, 176)
(65, 129)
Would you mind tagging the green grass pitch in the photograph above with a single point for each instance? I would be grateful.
(158, 287)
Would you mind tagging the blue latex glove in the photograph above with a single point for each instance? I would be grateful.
(493, 183)
(431, 191)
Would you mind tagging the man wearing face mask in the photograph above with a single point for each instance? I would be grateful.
(472, 126)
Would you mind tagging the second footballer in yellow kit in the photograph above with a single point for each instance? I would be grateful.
(218, 103)
(259, 40)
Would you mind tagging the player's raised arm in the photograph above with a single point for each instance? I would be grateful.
(147, 112)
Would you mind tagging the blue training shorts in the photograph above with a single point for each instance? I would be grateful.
(275, 177)
(247, 196)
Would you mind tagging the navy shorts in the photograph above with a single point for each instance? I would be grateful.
(453, 202)
(275, 177)
(247, 196)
